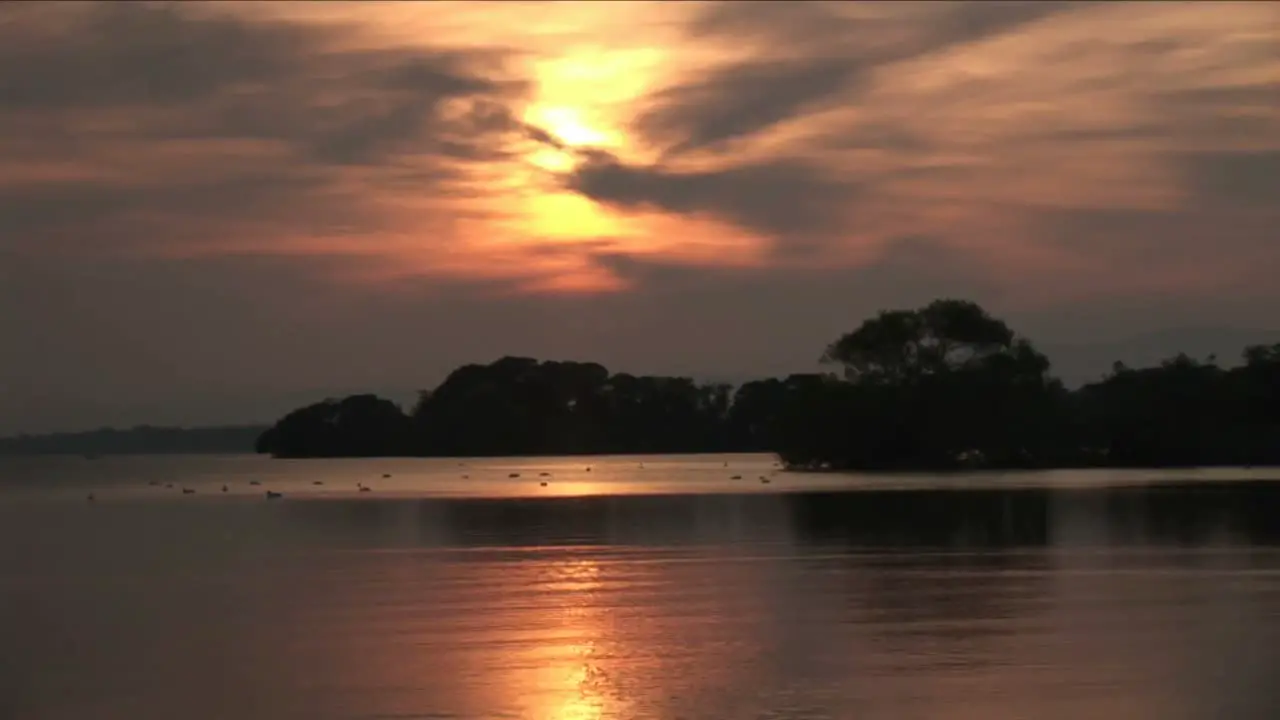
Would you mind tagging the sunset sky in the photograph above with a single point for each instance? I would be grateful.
(213, 212)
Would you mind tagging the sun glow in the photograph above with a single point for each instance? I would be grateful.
(562, 214)
(570, 130)
(567, 125)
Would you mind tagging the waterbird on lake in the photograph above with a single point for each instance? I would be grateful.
(386, 475)
(188, 491)
(153, 483)
(254, 482)
(764, 481)
(316, 482)
(365, 488)
(169, 485)
(514, 475)
(544, 474)
(543, 484)
(735, 477)
(91, 498)
(224, 488)
(274, 495)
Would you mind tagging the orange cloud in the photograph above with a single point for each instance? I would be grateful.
(534, 145)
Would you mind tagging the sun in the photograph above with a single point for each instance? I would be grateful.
(569, 127)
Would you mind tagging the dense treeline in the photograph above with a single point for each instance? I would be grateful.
(141, 440)
(944, 386)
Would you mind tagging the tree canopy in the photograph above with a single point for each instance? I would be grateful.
(943, 386)
(906, 345)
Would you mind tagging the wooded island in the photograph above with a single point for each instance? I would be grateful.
(945, 386)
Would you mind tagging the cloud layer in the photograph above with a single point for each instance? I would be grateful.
(170, 129)
(280, 198)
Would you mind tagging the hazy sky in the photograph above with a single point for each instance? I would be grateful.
(209, 212)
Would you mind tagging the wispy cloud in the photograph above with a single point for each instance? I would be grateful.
(729, 182)
(896, 119)
(181, 129)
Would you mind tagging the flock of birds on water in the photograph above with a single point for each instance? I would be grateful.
(361, 487)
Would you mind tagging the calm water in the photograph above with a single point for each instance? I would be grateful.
(664, 591)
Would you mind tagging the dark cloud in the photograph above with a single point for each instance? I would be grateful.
(878, 135)
(885, 31)
(817, 55)
(125, 53)
(153, 105)
(794, 202)
(751, 96)
(932, 25)
(814, 53)
(742, 100)
(407, 114)
(963, 22)
(768, 20)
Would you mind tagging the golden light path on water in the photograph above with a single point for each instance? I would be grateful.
(567, 602)
(576, 681)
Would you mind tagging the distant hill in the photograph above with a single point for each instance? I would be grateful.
(142, 440)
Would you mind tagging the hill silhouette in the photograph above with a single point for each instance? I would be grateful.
(141, 440)
(945, 386)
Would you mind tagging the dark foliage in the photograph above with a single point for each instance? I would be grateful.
(945, 386)
(358, 426)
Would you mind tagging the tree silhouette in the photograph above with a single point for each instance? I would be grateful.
(945, 386)
(903, 345)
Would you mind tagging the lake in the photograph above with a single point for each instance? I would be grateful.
(645, 587)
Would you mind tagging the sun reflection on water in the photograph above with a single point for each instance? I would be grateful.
(575, 687)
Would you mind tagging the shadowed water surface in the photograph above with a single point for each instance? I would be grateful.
(1095, 596)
